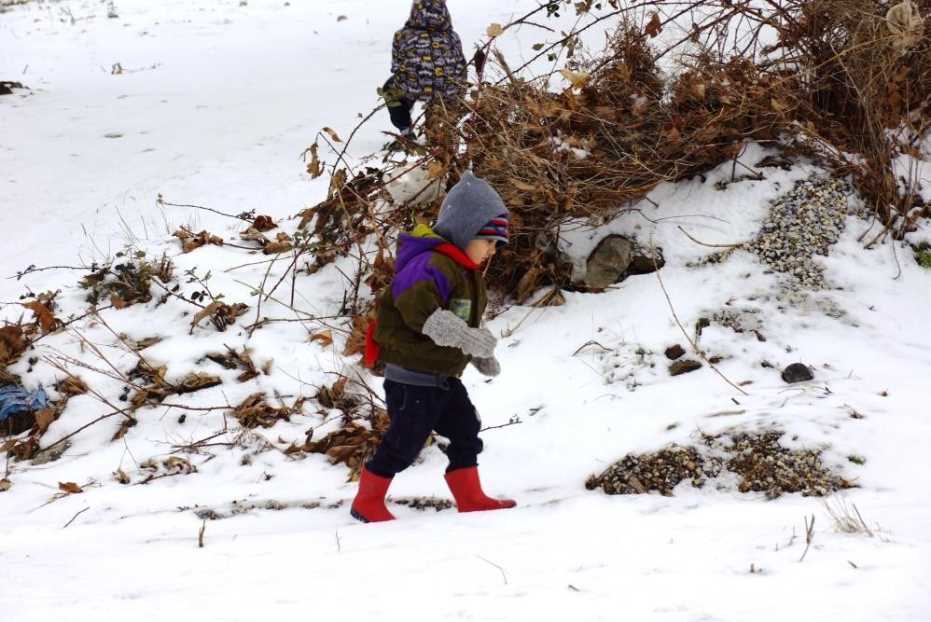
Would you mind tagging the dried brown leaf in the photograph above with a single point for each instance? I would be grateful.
(71, 386)
(576, 78)
(46, 320)
(179, 465)
(263, 223)
(128, 422)
(197, 381)
(436, 170)
(146, 342)
(191, 241)
(252, 234)
(70, 487)
(314, 167)
(206, 312)
(528, 283)
(654, 27)
(44, 419)
(12, 343)
(273, 248)
(332, 134)
(323, 337)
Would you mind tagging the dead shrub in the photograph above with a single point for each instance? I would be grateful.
(839, 76)
(127, 281)
(255, 412)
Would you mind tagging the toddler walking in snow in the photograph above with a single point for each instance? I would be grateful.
(427, 64)
(428, 331)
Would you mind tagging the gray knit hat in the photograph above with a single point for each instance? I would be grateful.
(470, 208)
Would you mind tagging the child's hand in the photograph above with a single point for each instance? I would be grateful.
(487, 367)
(445, 328)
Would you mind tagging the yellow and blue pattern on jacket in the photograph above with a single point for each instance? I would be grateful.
(427, 59)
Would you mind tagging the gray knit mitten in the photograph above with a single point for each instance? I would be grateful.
(487, 367)
(445, 328)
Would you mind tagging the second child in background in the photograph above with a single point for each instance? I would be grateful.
(427, 66)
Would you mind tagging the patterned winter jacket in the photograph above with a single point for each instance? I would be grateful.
(426, 58)
(430, 274)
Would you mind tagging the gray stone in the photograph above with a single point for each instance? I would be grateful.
(51, 454)
(797, 372)
(646, 261)
(683, 367)
(609, 262)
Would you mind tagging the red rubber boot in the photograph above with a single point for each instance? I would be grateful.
(369, 504)
(467, 490)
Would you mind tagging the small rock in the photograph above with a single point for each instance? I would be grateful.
(797, 372)
(646, 261)
(52, 454)
(6, 88)
(675, 352)
(609, 262)
(683, 367)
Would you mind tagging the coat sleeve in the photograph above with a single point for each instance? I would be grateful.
(396, 53)
(461, 69)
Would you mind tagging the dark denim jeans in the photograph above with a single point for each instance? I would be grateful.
(416, 412)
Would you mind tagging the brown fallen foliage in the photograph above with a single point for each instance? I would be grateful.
(192, 241)
(281, 244)
(255, 412)
(127, 281)
(220, 314)
(353, 444)
(158, 388)
(231, 359)
(12, 343)
(363, 425)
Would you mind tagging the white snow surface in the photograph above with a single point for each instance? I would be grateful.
(215, 104)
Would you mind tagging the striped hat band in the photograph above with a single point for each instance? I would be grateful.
(495, 229)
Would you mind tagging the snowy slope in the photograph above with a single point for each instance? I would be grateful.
(225, 99)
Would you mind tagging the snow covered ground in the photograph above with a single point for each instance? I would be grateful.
(215, 104)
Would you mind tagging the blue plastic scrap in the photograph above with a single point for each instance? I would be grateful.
(14, 399)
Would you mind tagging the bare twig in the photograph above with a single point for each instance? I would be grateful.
(504, 575)
(685, 333)
(809, 536)
(33, 270)
(700, 243)
(258, 306)
(161, 203)
(73, 518)
(591, 343)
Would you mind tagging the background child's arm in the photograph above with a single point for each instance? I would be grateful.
(396, 54)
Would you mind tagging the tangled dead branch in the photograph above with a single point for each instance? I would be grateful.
(827, 79)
